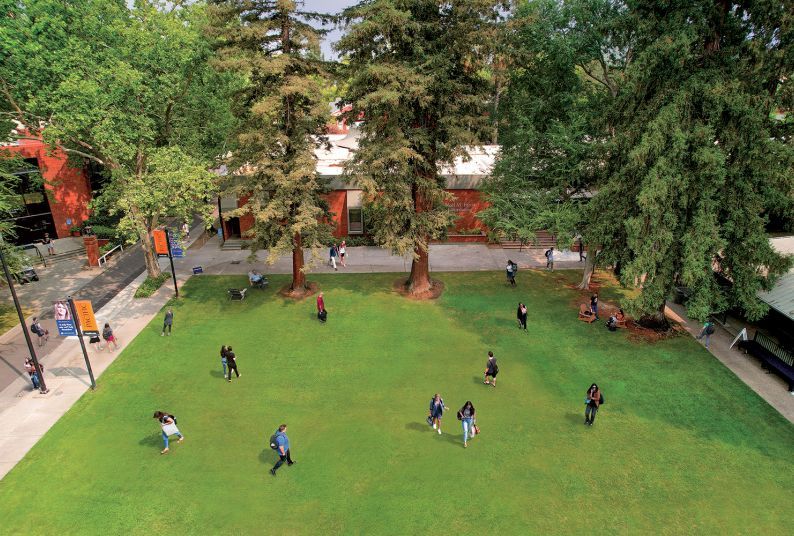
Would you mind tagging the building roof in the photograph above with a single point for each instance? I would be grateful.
(781, 297)
(463, 173)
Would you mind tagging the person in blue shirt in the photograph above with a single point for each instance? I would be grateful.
(283, 449)
(333, 253)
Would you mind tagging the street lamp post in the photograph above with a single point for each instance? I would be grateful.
(42, 384)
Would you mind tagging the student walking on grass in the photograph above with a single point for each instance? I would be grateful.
(491, 369)
(231, 364)
(437, 408)
(511, 270)
(168, 426)
(467, 417)
(593, 399)
(224, 351)
(107, 334)
(168, 321)
(521, 314)
(282, 448)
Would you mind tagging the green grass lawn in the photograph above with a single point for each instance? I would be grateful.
(680, 446)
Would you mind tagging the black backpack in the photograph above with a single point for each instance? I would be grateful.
(710, 329)
(274, 441)
(547, 253)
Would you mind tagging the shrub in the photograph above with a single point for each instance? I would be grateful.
(150, 285)
(102, 231)
(361, 240)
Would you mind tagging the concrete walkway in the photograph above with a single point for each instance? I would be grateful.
(27, 415)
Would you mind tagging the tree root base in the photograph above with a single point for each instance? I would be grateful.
(299, 293)
(436, 289)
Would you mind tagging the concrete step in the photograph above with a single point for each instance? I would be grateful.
(65, 256)
(234, 244)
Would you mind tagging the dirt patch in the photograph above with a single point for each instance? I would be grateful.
(299, 294)
(639, 333)
(436, 288)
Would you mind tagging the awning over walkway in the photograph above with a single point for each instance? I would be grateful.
(781, 297)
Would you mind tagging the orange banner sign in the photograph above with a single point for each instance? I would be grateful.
(160, 243)
(85, 313)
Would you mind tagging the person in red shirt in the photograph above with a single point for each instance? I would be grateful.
(322, 314)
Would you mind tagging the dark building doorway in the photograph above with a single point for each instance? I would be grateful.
(31, 214)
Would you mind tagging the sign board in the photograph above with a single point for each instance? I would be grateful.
(85, 314)
(160, 245)
(176, 246)
(63, 319)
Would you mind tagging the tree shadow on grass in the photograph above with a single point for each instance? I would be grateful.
(152, 440)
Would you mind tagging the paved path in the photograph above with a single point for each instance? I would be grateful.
(26, 415)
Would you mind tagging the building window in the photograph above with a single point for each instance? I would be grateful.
(355, 221)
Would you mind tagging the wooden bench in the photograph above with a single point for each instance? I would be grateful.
(774, 358)
(585, 314)
(237, 293)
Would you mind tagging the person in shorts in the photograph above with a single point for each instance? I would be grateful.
(342, 252)
(47, 241)
(491, 370)
(511, 273)
(107, 334)
(42, 333)
(437, 408)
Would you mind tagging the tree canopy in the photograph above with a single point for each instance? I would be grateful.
(282, 119)
(416, 75)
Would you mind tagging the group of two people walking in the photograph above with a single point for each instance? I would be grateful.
(229, 363)
(467, 415)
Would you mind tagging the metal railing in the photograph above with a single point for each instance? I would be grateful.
(27, 247)
(104, 257)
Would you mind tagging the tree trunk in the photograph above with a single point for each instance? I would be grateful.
(152, 267)
(655, 320)
(419, 280)
(298, 275)
(589, 268)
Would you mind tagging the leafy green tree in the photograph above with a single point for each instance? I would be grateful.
(282, 119)
(138, 88)
(416, 73)
(568, 58)
(698, 160)
(9, 204)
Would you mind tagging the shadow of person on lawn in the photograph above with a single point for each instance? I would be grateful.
(154, 440)
(418, 427)
(268, 456)
(217, 373)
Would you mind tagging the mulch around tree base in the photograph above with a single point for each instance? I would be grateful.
(299, 294)
(436, 288)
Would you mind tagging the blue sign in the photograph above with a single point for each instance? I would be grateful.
(176, 246)
(66, 328)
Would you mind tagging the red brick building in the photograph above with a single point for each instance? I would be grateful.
(345, 200)
(58, 204)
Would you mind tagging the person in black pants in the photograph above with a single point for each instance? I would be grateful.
(231, 363)
(521, 315)
(282, 449)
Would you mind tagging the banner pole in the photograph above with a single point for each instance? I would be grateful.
(171, 259)
(80, 338)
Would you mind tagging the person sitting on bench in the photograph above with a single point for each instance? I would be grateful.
(255, 278)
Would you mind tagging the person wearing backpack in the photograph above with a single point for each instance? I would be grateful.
(437, 408)
(168, 426)
(550, 258)
(280, 443)
(491, 369)
(707, 332)
(593, 399)
(42, 333)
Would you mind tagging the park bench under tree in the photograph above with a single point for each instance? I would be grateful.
(237, 294)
